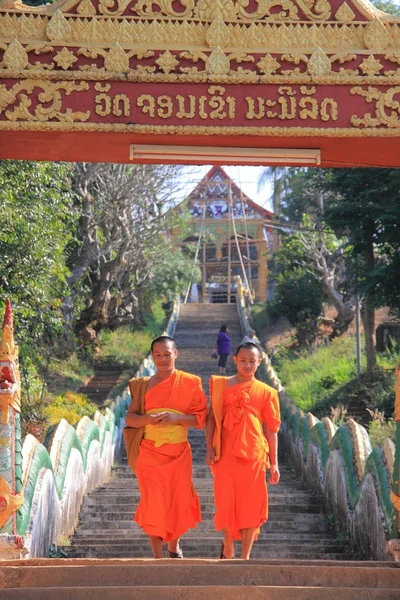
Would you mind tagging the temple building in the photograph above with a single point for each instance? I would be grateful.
(230, 235)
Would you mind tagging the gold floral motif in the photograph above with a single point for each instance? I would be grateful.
(58, 28)
(15, 56)
(319, 63)
(218, 63)
(268, 65)
(86, 9)
(371, 66)
(65, 59)
(50, 94)
(344, 14)
(167, 62)
(116, 59)
(376, 36)
(387, 107)
(211, 9)
(218, 33)
(145, 8)
(191, 35)
(314, 9)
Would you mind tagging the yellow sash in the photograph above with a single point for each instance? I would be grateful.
(165, 434)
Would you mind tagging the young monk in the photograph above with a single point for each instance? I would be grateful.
(241, 436)
(173, 402)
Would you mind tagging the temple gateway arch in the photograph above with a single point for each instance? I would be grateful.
(296, 82)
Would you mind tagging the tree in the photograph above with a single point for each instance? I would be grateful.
(36, 210)
(278, 177)
(318, 253)
(364, 207)
(299, 298)
(116, 256)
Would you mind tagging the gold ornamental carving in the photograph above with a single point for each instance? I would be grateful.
(86, 9)
(344, 14)
(9, 503)
(65, 59)
(376, 35)
(50, 101)
(58, 28)
(387, 107)
(167, 62)
(211, 9)
(218, 33)
(218, 63)
(15, 56)
(371, 66)
(268, 65)
(319, 63)
(116, 59)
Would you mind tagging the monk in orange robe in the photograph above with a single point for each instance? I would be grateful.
(241, 435)
(173, 402)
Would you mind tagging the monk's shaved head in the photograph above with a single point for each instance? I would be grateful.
(248, 346)
(163, 339)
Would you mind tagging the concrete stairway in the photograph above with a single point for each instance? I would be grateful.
(296, 528)
(197, 580)
(105, 378)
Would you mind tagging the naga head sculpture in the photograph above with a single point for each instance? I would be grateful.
(10, 389)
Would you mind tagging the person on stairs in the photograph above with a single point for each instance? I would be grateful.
(223, 348)
(242, 442)
(163, 407)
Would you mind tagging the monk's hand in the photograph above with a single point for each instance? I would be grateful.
(154, 419)
(275, 475)
(210, 456)
(167, 418)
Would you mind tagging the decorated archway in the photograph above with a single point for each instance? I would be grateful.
(200, 81)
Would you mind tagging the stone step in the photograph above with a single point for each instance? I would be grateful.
(57, 573)
(207, 511)
(299, 523)
(116, 499)
(198, 593)
(209, 537)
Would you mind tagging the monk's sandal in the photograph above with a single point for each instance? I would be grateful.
(178, 554)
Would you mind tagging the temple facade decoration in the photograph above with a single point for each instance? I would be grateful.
(234, 236)
(114, 75)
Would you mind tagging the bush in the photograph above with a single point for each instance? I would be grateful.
(299, 298)
(127, 347)
(308, 377)
(71, 407)
(124, 347)
(381, 430)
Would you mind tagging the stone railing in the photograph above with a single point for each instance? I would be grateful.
(56, 475)
(358, 485)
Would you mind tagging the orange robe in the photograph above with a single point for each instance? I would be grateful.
(169, 504)
(240, 490)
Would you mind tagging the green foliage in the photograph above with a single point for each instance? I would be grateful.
(154, 319)
(124, 347)
(36, 216)
(259, 317)
(70, 406)
(387, 6)
(127, 347)
(326, 379)
(379, 431)
(298, 298)
(308, 377)
(67, 374)
(364, 206)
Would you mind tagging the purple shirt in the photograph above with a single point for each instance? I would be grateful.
(223, 343)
